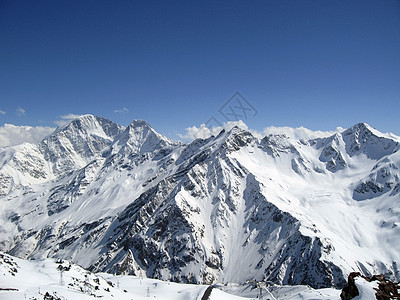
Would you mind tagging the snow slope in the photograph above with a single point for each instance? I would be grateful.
(230, 208)
(365, 289)
(20, 279)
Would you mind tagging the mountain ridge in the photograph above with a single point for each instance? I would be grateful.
(223, 209)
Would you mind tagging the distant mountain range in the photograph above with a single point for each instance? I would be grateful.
(230, 208)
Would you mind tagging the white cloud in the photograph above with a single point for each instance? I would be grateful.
(123, 110)
(297, 133)
(2, 112)
(65, 119)
(11, 135)
(70, 116)
(20, 112)
(203, 131)
(300, 132)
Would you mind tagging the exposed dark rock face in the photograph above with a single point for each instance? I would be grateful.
(387, 289)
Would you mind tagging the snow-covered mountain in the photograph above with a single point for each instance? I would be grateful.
(230, 208)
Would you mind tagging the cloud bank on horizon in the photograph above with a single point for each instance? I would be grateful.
(11, 135)
(298, 133)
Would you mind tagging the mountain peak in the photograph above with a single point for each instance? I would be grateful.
(236, 130)
(87, 123)
(77, 119)
(236, 138)
(360, 128)
(87, 117)
(78, 142)
(140, 137)
(139, 123)
(363, 138)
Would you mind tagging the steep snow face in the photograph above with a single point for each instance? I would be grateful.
(74, 145)
(140, 138)
(69, 148)
(62, 209)
(362, 138)
(226, 209)
(332, 152)
(383, 179)
(322, 195)
(210, 223)
(21, 167)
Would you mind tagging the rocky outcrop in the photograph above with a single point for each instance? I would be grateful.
(386, 290)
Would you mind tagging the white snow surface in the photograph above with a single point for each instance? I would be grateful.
(363, 233)
(222, 210)
(23, 279)
(365, 289)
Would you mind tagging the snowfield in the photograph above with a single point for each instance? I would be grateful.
(35, 279)
(226, 210)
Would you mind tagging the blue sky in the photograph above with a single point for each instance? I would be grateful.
(318, 64)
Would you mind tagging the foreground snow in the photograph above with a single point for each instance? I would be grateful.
(34, 279)
(365, 289)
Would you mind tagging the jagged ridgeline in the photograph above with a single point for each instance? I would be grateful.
(230, 208)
